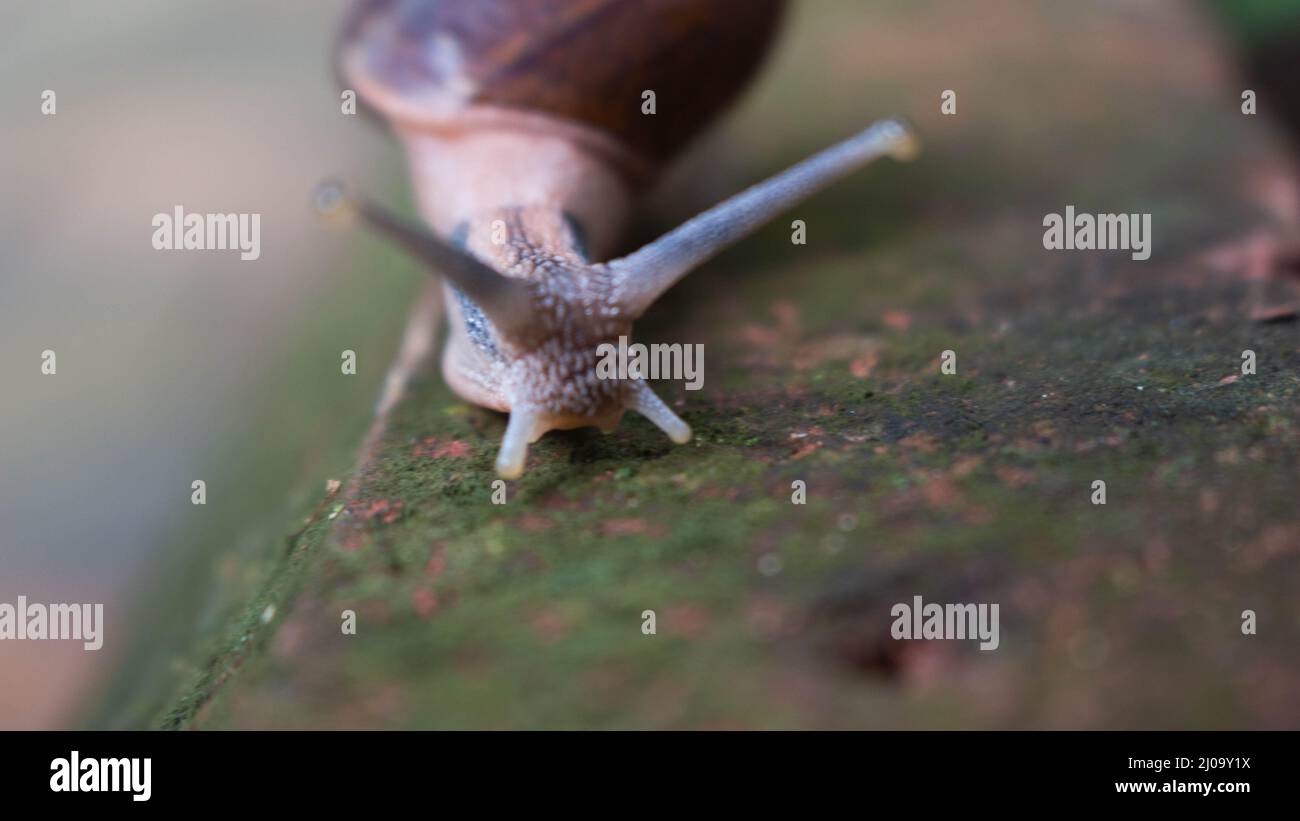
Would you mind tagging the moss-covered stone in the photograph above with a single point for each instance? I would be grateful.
(823, 366)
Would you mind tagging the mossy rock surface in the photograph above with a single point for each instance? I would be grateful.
(822, 366)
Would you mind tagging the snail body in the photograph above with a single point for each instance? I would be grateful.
(522, 123)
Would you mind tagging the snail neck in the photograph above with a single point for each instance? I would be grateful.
(478, 175)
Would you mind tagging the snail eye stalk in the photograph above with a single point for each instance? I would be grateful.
(506, 301)
(642, 276)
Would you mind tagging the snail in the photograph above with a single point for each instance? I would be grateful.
(523, 125)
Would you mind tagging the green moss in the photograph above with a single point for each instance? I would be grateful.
(823, 367)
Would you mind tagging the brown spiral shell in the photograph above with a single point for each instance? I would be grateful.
(432, 64)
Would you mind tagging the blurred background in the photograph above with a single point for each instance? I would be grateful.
(174, 367)
(171, 366)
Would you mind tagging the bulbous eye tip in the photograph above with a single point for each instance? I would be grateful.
(907, 146)
(330, 199)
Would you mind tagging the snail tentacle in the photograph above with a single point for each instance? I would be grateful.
(644, 401)
(644, 275)
(514, 445)
(506, 301)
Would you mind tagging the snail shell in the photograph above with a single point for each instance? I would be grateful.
(523, 124)
(578, 65)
